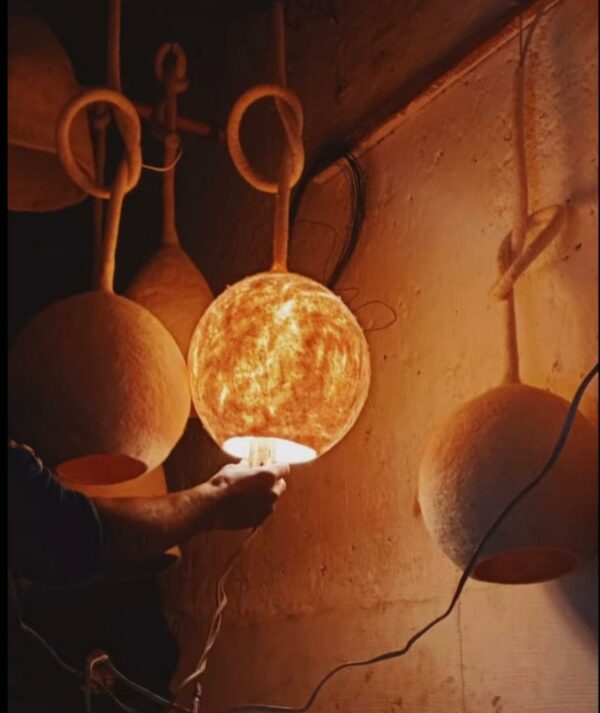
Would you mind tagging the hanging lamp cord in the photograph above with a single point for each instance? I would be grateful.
(531, 234)
(290, 112)
(170, 66)
(100, 119)
(215, 626)
(129, 169)
(127, 175)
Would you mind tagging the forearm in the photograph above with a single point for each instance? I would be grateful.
(138, 529)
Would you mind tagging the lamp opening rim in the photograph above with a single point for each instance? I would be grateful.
(526, 565)
(100, 469)
(285, 451)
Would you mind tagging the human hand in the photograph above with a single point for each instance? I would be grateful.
(245, 497)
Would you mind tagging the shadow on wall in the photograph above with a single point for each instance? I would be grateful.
(577, 596)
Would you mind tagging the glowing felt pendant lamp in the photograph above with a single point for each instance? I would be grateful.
(279, 357)
(170, 285)
(495, 445)
(96, 383)
(40, 83)
(279, 366)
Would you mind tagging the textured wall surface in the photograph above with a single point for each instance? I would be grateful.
(345, 568)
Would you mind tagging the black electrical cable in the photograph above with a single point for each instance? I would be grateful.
(266, 708)
(356, 180)
(357, 184)
(506, 510)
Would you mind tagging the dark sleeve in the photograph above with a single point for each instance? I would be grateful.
(54, 534)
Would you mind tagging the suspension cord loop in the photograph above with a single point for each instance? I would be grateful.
(514, 254)
(290, 112)
(128, 172)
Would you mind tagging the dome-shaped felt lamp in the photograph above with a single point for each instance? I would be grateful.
(483, 456)
(279, 367)
(495, 445)
(40, 83)
(97, 385)
(169, 285)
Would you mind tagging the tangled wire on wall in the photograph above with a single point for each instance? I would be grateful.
(356, 180)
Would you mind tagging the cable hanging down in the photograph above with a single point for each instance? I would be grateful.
(503, 287)
(502, 515)
(386, 656)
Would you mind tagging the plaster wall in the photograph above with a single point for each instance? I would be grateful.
(345, 568)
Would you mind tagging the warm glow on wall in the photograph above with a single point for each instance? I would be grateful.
(279, 357)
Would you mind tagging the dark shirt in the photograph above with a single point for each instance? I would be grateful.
(54, 539)
(54, 534)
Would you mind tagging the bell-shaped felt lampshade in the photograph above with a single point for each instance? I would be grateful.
(98, 387)
(40, 82)
(278, 356)
(174, 290)
(486, 453)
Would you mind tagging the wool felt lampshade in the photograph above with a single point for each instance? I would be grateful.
(481, 458)
(174, 290)
(40, 82)
(98, 387)
(278, 356)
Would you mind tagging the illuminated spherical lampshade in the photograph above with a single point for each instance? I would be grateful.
(278, 356)
(148, 485)
(490, 449)
(98, 387)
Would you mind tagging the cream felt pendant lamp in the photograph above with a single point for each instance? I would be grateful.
(40, 82)
(170, 285)
(96, 384)
(279, 366)
(495, 444)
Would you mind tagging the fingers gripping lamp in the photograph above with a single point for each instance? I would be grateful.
(96, 383)
(493, 445)
(279, 366)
